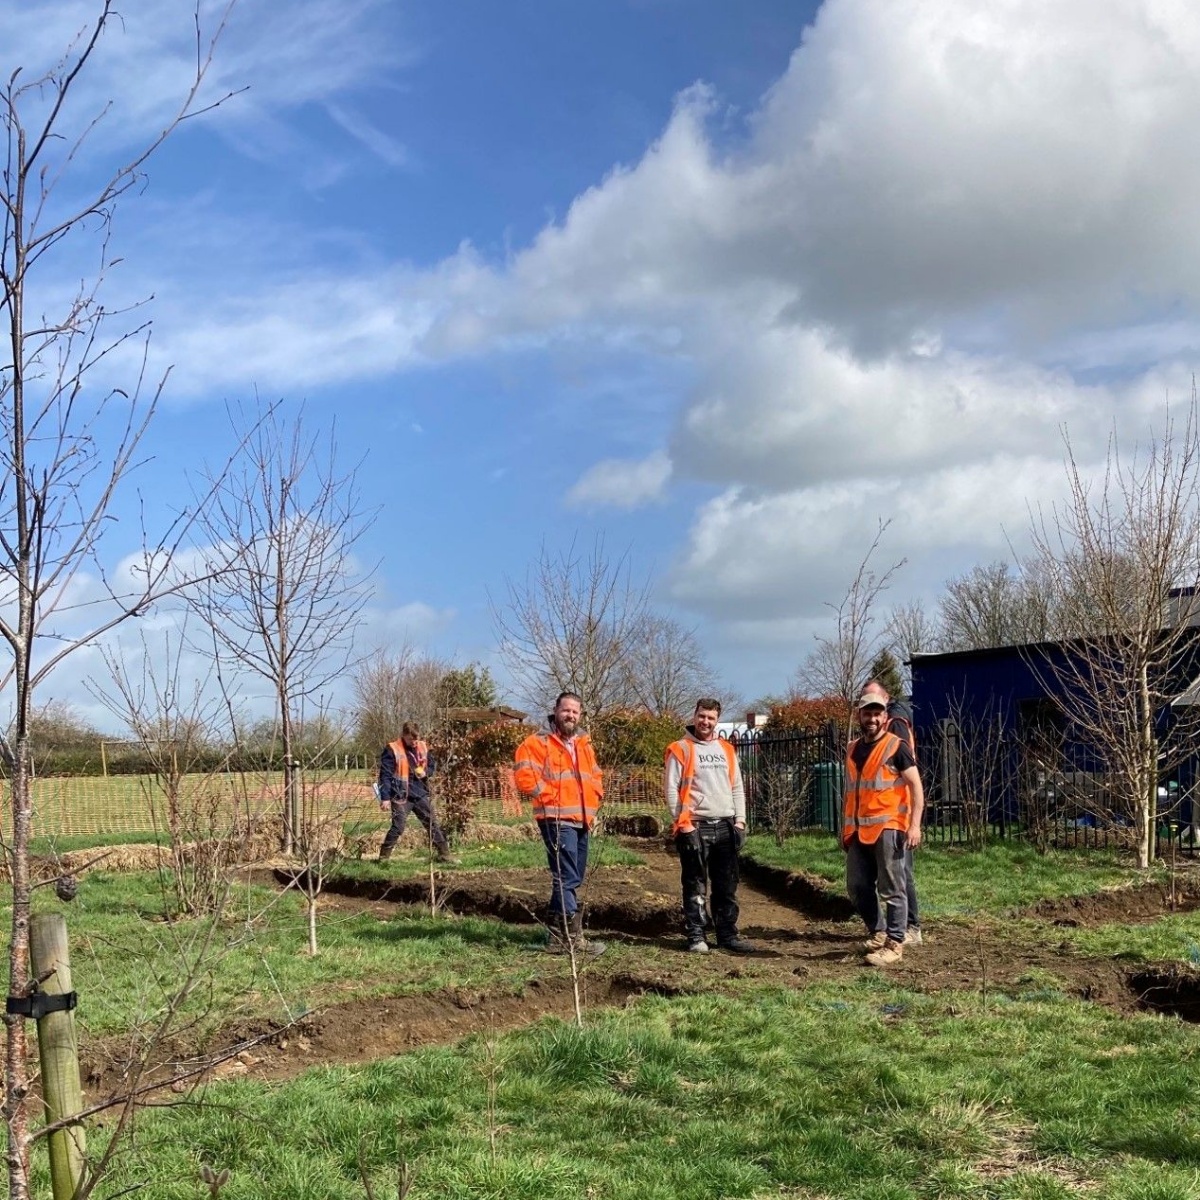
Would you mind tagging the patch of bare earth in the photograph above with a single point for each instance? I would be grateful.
(803, 928)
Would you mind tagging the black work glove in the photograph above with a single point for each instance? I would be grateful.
(689, 841)
(739, 838)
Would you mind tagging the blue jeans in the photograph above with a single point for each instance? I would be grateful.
(875, 874)
(567, 854)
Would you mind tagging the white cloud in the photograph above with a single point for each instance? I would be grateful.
(622, 483)
(774, 557)
(317, 50)
(987, 170)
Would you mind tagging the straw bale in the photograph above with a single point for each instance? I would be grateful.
(486, 831)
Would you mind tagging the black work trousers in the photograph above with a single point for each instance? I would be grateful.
(709, 864)
(422, 808)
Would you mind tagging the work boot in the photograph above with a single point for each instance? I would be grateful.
(737, 945)
(557, 942)
(888, 955)
(583, 944)
(913, 937)
(385, 853)
(875, 941)
(443, 855)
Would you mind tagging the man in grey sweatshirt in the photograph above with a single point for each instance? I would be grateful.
(704, 792)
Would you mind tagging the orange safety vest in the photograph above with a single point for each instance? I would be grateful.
(562, 787)
(399, 749)
(878, 798)
(684, 752)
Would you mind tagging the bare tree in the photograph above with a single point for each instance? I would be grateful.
(1122, 555)
(840, 664)
(997, 605)
(570, 626)
(910, 630)
(665, 668)
(393, 687)
(975, 763)
(175, 721)
(290, 603)
(68, 439)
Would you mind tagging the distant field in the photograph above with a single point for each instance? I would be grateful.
(67, 806)
(81, 806)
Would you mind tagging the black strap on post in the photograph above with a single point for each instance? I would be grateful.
(40, 1004)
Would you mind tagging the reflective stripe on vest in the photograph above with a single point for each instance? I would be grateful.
(686, 757)
(878, 798)
(549, 801)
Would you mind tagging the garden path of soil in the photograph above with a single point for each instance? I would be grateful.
(803, 927)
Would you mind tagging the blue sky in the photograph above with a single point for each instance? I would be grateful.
(726, 283)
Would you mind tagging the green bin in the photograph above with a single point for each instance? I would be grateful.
(828, 783)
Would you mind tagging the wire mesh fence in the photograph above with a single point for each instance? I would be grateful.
(107, 806)
(981, 783)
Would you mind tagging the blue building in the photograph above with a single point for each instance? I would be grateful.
(1000, 747)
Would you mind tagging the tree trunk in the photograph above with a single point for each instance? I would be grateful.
(16, 1057)
(1147, 793)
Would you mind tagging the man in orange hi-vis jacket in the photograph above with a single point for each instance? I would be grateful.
(558, 773)
(881, 822)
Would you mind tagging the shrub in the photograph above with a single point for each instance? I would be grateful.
(626, 737)
(494, 745)
(808, 714)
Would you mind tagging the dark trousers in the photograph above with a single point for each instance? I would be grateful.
(876, 873)
(709, 863)
(422, 808)
(567, 855)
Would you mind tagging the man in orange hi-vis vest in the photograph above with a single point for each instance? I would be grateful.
(405, 769)
(558, 773)
(899, 722)
(704, 790)
(881, 822)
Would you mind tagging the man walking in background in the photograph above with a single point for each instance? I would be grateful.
(704, 791)
(557, 772)
(881, 822)
(404, 772)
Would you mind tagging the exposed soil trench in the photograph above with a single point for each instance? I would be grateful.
(804, 929)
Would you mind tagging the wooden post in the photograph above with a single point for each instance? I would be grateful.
(59, 1053)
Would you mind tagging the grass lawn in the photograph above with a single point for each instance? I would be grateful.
(411, 860)
(858, 1088)
(127, 959)
(863, 1091)
(953, 881)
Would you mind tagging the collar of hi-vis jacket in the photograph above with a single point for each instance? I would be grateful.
(687, 773)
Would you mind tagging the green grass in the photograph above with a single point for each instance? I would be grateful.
(411, 860)
(864, 1091)
(840, 1089)
(1174, 938)
(127, 960)
(953, 881)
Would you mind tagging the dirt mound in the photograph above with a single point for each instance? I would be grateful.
(1123, 905)
(366, 1030)
(618, 899)
(808, 893)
